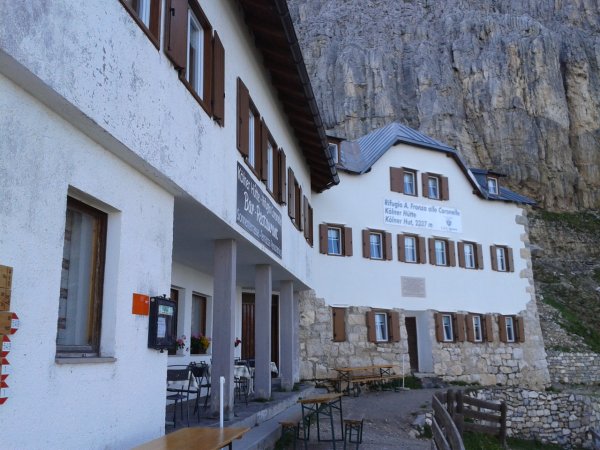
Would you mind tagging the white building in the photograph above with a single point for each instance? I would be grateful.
(421, 262)
(182, 140)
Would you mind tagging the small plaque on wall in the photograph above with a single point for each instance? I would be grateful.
(413, 287)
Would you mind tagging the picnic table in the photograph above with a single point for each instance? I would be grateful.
(323, 404)
(196, 439)
(378, 373)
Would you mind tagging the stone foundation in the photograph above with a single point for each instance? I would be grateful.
(565, 419)
(574, 368)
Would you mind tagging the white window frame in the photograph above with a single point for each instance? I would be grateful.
(447, 328)
(410, 252)
(376, 248)
(477, 330)
(509, 324)
(501, 264)
(441, 253)
(381, 327)
(332, 239)
(270, 154)
(251, 138)
(469, 254)
(409, 183)
(198, 43)
(433, 187)
(492, 185)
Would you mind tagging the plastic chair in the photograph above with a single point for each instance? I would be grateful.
(180, 393)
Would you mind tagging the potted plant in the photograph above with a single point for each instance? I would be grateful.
(199, 344)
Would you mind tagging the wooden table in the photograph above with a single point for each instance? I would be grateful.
(348, 374)
(197, 438)
(323, 404)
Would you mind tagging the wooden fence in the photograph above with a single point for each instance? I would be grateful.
(471, 414)
(446, 435)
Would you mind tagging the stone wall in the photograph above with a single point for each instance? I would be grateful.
(488, 363)
(566, 419)
(574, 368)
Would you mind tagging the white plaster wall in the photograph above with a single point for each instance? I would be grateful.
(358, 203)
(96, 57)
(66, 406)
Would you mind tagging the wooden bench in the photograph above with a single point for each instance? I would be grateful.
(353, 426)
(196, 439)
(354, 382)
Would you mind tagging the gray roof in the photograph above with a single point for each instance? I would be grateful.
(504, 194)
(360, 155)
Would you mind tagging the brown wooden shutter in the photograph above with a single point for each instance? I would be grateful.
(488, 328)
(208, 63)
(243, 109)
(282, 181)
(155, 7)
(432, 251)
(371, 336)
(459, 330)
(493, 255)
(176, 24)
(310, 225)
(479, 251)
(439, 327)
(502, 328)
(218, 84)
(276, 174)
(299, 208)
(520, 327)
(323, 238)
(510, 262)
(401, 248)
(424, 187)
(445, 191)
(396, 179)
(366, 244)
(451, 254)
(394, 327)
(263, 164)
(388, 246)
(339, 324)
(470, 330)
(347, 250)
(305, 216)
(421, 247)
(291, 193)
(461, 253)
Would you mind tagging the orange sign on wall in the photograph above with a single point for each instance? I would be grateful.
(140, 305)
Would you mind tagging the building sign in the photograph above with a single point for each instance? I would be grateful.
(256, 213)
(417, 215)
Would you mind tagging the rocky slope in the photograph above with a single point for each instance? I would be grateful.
(515, 85)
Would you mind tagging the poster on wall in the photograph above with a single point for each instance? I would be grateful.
(417, 215)
(256, 213)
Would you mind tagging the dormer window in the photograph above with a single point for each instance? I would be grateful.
(492, 185)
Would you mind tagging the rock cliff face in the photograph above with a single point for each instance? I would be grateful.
(514, 85)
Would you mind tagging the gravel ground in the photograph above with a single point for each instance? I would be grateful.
(388, 419)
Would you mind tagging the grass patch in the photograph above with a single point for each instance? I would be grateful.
(480, 441)
(576, 323)
(582, 221)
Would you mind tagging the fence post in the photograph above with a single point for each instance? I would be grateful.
(503, 424)
(450, 402)
(459, 417)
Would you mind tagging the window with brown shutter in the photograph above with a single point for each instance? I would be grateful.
(394, 327)
(281, 179)
(299, 216)
(339, 324)
(511, 329)
(377, 244)
(371, 337)
(291, 194)
(411, 248)
(475, 325)
(445, 324)
(243, 105)
(218, 82)
(383, 326)
(459, 327)
(146, 13)
(520, 328)
(396, 179)
(502, 329)
(335, 239)
(488, 328)
(308, 221)
(442, 252)
(435, 186)
(502, 258)
(469, 255)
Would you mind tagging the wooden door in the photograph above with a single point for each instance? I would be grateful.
(275, 330)
(413, 352)
(249, 323)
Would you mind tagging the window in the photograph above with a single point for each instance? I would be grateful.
(441, 252)
(383, 326)
(435, 186)
(269, 162)
(308, 221)
(470, 255)
(147, 15)
(411, 248)
(253, 137)
(492, 185)
(80, 301)
(198, 318)
(377, 244)
(450, 327)
(479, 328)
(403, 180)
(502, 258)
(270, 167)
(510, 329)
(339, 324)
(447, 327)
(198, 57)
(335, 239)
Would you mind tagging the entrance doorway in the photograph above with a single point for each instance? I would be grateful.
(413, 349)
(249, 323)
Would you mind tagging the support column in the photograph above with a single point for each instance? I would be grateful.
(262, 332)
(224, 300)
(286, 305)
(296, 337)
